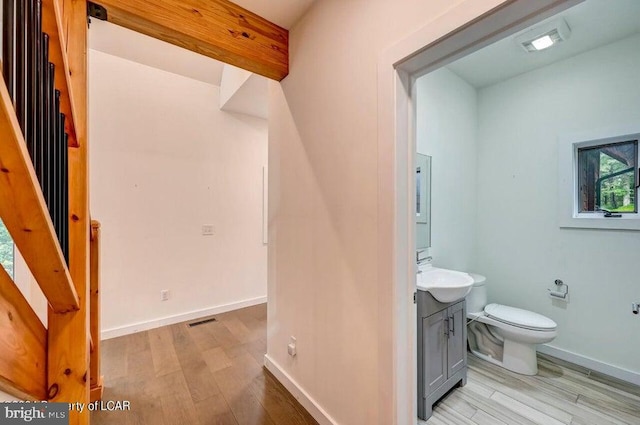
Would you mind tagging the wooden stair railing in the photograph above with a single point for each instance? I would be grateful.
(25, 214)
(48, 220)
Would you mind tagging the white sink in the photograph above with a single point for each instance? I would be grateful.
(445, 285)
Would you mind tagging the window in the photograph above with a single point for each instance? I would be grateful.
(607, 178)
(6, 249)
(598, 178)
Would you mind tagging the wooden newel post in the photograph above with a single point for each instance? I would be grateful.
(68, 371)
(94, 312)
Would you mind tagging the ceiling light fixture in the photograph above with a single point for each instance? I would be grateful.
(544, 36)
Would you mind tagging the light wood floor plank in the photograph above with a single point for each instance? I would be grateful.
(215, 411)
(528, 412)
(626, 415)
(210, 374)
(165, 360)
(452, 416)
(483, 418)
(494, 408)
(114, 360)
(460, 405)
(529, 396)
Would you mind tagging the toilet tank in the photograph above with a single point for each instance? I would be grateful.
(477, 298)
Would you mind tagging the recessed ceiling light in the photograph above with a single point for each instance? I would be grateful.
(544, 36)
(542, 42)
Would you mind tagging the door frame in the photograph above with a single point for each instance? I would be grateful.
(466, 27)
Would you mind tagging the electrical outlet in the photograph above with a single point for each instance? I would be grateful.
(164, 295)
(208, 230)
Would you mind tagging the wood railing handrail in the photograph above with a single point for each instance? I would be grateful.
(52, 24)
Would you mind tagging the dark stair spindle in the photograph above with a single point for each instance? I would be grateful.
(46, 131)
(58, 141)
(21, 58)
(39, 98)
(8, 42)
(65, 189)
(31, 85)
(53, 151)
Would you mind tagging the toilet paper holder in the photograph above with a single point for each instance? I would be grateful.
(561, 291)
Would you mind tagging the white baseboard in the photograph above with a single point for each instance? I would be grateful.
(177, 318)
(592, 364)
(312, 406)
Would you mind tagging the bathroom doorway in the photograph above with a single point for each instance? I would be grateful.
(399, 67)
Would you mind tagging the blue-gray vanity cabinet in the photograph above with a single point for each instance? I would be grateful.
(442, 350)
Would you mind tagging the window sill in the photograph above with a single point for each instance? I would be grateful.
(631, 222)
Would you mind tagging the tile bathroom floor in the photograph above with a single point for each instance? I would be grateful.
(557, 395)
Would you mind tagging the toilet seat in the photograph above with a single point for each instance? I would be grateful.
(520, 318)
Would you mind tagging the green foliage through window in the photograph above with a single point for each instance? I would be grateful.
(616, 192)
(6, 249)
(607, 176)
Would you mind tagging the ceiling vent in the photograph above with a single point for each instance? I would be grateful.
(544, 36)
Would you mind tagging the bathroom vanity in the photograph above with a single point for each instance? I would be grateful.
(442, 349)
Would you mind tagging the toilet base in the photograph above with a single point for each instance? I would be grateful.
(519, 358)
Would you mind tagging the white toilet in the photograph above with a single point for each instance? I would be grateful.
(504, 335)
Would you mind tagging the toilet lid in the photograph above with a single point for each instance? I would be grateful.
(518, 317)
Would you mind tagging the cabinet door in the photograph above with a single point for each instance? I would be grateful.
(457, 347)
(435, 351)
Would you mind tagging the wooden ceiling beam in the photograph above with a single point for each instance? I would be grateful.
(219, 29)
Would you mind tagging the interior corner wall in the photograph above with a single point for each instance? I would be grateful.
(520, 247)
(323, 283)
(446, 128)
(164, 161)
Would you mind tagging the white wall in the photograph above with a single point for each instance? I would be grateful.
(446, 128)
(521, 249)
(244, 92)
(324, 286)
(6, 397)
(29, 287)
(164, 161)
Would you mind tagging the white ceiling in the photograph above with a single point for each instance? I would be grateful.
(281, 12)
(593, 23)
(119, 41)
